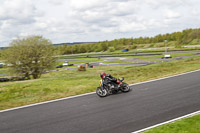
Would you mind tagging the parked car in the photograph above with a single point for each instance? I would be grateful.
(1, 65)
(67, 64)
(166, 56)
(64, 64)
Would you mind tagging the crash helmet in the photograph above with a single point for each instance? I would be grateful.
(102, 75)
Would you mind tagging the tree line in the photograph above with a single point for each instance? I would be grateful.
(179, 38)
(31, 56)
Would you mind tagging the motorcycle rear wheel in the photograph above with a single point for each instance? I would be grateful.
(101, 93)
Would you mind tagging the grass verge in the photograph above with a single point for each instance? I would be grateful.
(187, 125)
(72, 82)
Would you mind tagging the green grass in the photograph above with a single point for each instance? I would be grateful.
(75, 62)
(3, 71)
(83, 61)
(95, 55)
(156, 57)
(72, 82)
(124, 62)
(172, 55)
(76, 59)
(187, 125)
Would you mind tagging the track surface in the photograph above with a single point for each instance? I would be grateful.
(146, 105)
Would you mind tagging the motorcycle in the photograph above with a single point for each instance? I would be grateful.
(107, 88)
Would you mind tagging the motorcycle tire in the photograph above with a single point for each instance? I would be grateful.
(101, 93)
(125, 87)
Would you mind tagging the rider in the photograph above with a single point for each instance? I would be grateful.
(106, 77)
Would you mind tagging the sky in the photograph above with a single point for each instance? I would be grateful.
(64, 21)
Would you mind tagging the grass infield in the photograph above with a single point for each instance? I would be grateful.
(61, 84)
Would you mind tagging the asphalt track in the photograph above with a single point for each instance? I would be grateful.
(146, 105)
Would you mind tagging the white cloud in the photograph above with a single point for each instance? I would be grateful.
(169, 14)
(94, 20)
(17, 10)
(5, 25)
(195, 12)
(56, 2)
(86, 4)
(166, 3)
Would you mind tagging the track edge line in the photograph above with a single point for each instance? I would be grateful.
(70, 97)
(170, 121)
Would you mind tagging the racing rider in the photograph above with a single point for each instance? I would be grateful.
(107, 78)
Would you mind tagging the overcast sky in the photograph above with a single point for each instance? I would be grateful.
(95, 20)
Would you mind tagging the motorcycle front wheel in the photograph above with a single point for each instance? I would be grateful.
(125, 87)
(101, 92)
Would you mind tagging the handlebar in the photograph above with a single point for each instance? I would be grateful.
(121, 79)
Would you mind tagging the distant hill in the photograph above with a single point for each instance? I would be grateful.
(175, 39)
(73, 43)
(3, 48)
(60, 44)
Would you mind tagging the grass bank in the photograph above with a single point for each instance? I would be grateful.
(72, 82)
(187, 125)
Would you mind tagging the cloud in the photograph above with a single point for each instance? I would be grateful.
(86, 4)
(94, 20)
(56, 2)
(17, 10)
(14, 16)
(166, 3)
(103, 15)
(195, 12)
(169, 14)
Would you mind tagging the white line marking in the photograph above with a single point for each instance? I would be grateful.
(30, 105)
(164, 78)
(185, 116)
(47, 102)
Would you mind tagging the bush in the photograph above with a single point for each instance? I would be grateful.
(133, 47)
(111, 49)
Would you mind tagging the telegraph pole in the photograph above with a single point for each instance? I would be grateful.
(166, 46)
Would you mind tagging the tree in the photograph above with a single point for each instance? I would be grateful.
(104, 46)
(1, 51)
(30, 56)
(111, 49)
